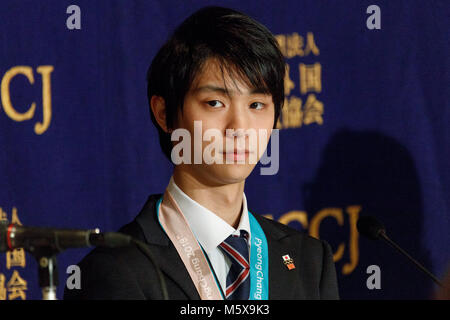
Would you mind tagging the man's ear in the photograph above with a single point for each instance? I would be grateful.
(158, 106)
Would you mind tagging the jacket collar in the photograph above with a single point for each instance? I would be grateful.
(148, 219)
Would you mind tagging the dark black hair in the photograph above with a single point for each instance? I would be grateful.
(242, 46)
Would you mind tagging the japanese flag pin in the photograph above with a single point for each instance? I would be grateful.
(288, 262)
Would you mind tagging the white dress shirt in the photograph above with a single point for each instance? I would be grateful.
(209, 229)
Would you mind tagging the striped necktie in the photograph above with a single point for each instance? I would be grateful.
(238, 279)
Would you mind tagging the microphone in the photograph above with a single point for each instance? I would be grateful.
(14, 236)
(373, 229)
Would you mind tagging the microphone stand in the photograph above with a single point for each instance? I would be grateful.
(47, 271)
(384, 236)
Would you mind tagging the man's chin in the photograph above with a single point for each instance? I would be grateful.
(231, 173)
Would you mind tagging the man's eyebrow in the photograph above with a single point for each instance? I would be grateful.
(211, 88)
(227, 91)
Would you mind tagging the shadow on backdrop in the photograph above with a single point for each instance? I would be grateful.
(376, 172)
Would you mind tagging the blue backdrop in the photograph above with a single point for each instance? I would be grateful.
(364, 129)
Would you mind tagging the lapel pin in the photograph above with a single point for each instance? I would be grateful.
(288, 262)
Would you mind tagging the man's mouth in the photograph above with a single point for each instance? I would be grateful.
(236, 155)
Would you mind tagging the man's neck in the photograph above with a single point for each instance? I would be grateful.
(225, 200)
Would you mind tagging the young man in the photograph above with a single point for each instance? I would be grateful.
(222, 72)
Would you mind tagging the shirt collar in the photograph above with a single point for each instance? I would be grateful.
(208, 228)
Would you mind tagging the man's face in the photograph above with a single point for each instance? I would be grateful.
(221, 102)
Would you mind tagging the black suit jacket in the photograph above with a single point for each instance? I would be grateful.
(126, 273)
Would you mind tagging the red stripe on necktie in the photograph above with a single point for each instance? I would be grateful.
(235, 254)
(241, 278)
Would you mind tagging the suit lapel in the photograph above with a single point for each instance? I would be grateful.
(172, 266)
(281, 279)
(162, 248)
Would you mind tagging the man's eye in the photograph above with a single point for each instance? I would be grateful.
(215, 103)
(257, 105)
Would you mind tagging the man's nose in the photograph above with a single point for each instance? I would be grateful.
(237, 120)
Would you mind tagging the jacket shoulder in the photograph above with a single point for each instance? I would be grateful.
(280, 230)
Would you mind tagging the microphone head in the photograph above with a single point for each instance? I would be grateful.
(370, 227)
